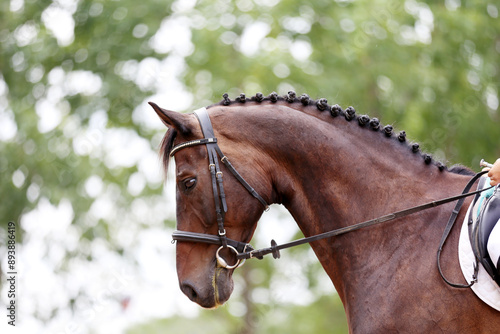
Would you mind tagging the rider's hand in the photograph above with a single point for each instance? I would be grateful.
(494, 173)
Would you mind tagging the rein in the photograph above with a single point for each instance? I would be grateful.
(274, 249)
(245, 251)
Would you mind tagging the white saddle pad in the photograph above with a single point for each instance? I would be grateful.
(485, 288)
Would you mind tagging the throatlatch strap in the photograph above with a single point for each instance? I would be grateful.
(237, 175)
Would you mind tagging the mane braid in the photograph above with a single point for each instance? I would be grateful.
(335, 110)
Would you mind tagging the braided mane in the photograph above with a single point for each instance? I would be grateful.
(335, 111)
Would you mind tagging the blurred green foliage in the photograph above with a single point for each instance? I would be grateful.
(430, 68)
(323, 316)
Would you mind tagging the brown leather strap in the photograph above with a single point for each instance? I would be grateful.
(449, 225)
(274, 249)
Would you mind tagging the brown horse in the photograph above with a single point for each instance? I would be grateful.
(330, 168)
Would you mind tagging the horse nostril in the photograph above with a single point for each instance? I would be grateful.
(189, 291)
(205, 298)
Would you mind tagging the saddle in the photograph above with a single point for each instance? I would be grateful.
(484, 229)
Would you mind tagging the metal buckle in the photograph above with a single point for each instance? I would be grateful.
(223, 262)
(251, 254)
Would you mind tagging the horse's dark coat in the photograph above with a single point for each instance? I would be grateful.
(329, 174)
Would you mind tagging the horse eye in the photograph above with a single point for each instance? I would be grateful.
(189, 183)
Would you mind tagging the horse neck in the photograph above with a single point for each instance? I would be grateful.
(329, 167)
(331, 173)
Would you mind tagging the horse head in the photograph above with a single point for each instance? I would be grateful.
(201, 277)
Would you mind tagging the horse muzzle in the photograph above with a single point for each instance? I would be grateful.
(210, 295)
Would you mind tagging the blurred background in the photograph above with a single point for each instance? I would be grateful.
(79, 170)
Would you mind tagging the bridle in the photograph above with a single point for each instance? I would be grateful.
(244, 250)
(214, 153)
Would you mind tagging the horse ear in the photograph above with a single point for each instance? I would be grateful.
(172, 119)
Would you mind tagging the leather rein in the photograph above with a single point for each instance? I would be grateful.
(243, 250)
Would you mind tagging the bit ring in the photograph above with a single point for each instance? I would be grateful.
(223, 262)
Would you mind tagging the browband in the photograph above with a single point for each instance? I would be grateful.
(192, 143)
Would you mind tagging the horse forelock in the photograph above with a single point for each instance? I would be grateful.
(167, 143)
(349, 114)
